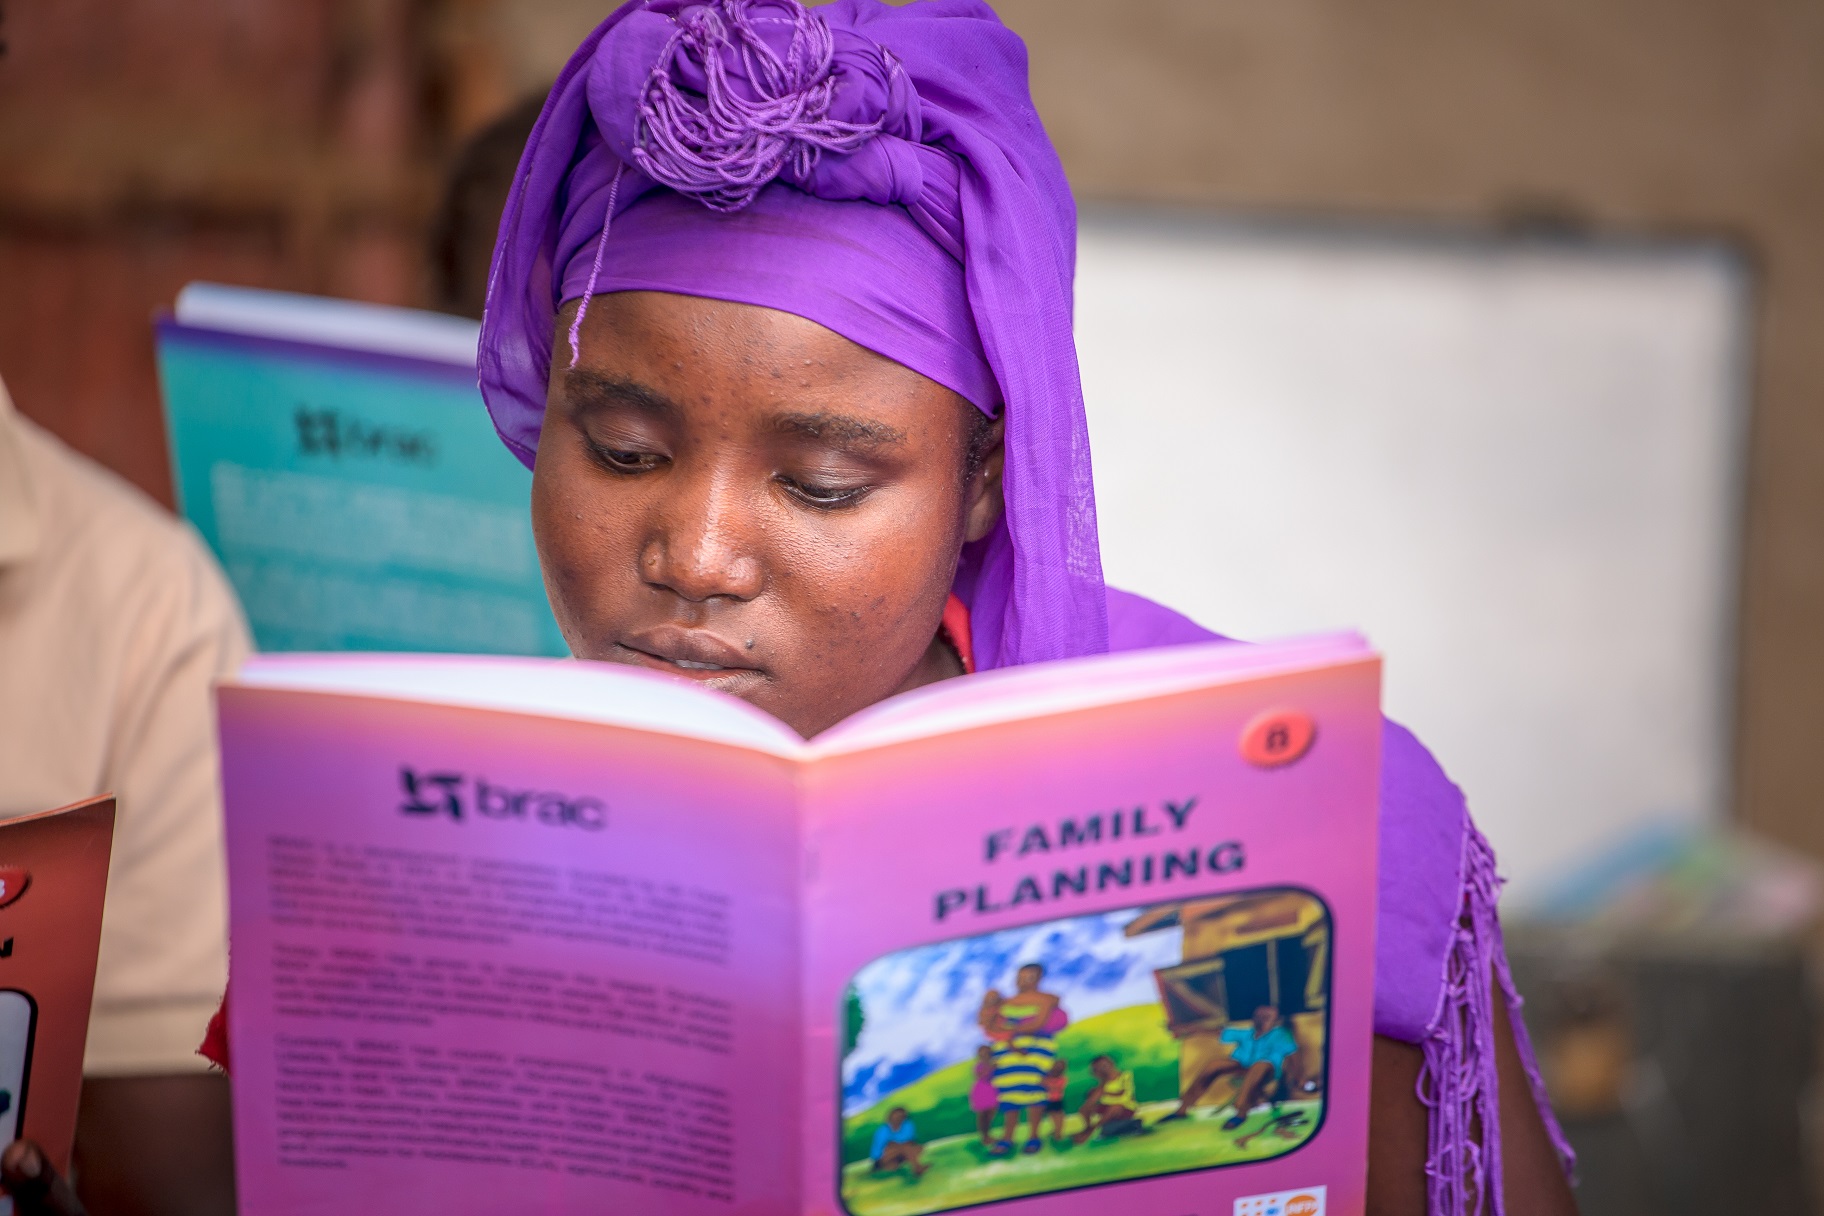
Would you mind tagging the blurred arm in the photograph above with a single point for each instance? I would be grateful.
(145, 1146)
(155, 1146)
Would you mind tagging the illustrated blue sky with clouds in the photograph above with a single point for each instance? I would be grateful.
(920, 1004)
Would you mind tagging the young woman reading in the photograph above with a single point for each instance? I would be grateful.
(780, 316)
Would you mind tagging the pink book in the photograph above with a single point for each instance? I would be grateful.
(526, 935)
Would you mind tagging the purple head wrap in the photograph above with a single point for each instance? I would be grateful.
(719, 149)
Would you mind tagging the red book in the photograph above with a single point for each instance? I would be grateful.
(53, 877)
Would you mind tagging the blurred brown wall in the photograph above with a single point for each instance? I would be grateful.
(145, 143)
(297, 142)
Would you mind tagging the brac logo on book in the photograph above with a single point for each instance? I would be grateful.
(456, 794)
(329, 432)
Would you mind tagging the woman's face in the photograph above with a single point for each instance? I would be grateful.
(743, 498)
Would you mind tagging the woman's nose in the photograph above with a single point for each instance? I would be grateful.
(702, 546)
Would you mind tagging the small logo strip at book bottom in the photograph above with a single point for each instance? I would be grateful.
(1306, 1201)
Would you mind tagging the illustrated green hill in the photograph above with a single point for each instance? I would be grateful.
(1135, 1037)
(960, 1173)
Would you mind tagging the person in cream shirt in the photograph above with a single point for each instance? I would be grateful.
(114, 623)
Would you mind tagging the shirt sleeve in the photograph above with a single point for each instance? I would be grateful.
(163, 962)
(881, 1135)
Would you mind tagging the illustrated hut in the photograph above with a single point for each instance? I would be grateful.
(1240, 952)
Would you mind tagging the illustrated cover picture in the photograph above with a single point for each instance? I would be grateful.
(1117, 1045)
(519, 934)
(337, 458)
(53, 878)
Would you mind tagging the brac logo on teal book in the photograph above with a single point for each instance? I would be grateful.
(333, 433)
(455, 795)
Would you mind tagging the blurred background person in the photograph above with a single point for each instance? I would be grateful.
(114, 622)
(468, 213)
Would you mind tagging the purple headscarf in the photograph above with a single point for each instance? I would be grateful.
(764, 123)
(882, 172)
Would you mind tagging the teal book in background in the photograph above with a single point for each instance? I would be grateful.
(338, 459)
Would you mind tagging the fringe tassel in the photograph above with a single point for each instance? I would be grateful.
(1458, 1082)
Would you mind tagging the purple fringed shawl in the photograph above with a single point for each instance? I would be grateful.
(881, 171)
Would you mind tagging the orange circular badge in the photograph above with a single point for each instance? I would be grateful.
(1277, 737)
(1302, 1205)
(13, 882)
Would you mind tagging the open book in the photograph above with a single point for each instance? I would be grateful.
(532, 935)
(337, 458)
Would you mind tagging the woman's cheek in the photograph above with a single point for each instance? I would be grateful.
(888, 589)
(567, 586)
(834, 582)
(580, 551)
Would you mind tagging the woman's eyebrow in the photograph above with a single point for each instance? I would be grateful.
(842, 429)
(588, 391)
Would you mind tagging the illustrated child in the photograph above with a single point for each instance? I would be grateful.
(1055, 1083)
(1110, 1109)
(896, 1145)
(1257, 1056)
(989, 1016)
(791, 361)
(983, 1099)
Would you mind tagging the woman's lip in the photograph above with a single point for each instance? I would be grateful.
(728, 679)
(697, 648)
(690, 649)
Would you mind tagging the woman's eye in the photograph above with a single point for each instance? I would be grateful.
(820, 495)
(621, 460)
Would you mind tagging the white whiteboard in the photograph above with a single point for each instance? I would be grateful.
(1514, 465)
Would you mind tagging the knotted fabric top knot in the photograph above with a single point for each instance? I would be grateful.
(752, 90)
(735, 94)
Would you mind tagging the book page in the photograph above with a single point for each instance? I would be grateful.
(588, 692)
(1063, 685)
(1127, 945)
(382, 329)
(492, 961)
(630, 696)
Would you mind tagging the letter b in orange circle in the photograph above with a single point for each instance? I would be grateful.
(1276, 737)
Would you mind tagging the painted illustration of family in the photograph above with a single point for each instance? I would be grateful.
(1020, 1079)
(1085, 1050)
